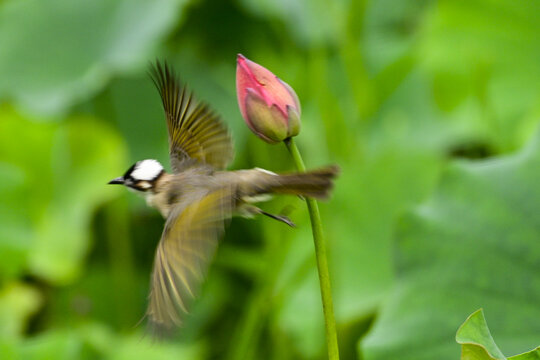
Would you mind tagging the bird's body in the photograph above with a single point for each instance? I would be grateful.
(246, 187)
(199, 195)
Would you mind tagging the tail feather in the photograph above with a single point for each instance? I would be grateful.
(315, 183)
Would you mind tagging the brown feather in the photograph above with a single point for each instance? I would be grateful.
(315, 183)
(196, 134)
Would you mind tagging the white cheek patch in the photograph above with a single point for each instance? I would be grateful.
(141, 187)
(147, 170)
(145, 185)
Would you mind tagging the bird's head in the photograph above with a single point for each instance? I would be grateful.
(141, 176)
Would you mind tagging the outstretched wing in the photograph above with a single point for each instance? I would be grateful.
(196, 134)
(187, 245)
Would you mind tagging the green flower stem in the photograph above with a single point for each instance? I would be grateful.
(322, 262)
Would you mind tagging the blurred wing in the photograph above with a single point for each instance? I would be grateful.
(196, 134)
(187, 245)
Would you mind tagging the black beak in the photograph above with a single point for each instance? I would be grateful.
(118, 180)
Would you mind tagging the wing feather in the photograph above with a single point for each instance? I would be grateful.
(196, 134)
(187, 245)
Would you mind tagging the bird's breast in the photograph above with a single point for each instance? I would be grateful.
(159, 201)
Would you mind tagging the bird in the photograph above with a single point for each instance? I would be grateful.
(199, 195)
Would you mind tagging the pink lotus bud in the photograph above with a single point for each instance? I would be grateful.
(269, 106)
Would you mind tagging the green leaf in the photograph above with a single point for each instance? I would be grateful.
(96, 341)
(310, 21)
(60, 51)
(476, 341)
(133, 347)
(486, 50)
(531, 355)
(61, 345)
(17, 303)
(473, 244)
(61, 171)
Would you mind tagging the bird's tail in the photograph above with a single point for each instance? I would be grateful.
(315, 183)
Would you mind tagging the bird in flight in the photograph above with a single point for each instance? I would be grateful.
(199, 195)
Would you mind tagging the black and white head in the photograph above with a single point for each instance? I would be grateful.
(141, 176)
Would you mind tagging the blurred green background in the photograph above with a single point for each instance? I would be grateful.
(429, 107)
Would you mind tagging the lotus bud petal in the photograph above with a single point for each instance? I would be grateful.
(269, 106)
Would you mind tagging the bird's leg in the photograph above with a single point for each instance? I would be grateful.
(281, 218)
(251, 210)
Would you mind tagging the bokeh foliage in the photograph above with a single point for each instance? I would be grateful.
(430, 108)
